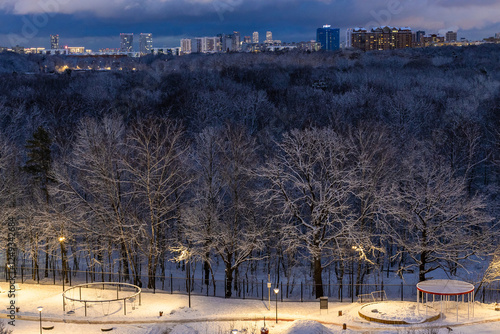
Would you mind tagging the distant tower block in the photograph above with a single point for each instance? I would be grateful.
(145, 43)
(269, 37)
(329, 38)
(255, 37)
(451, 36)
(126, 42)
(54, 42)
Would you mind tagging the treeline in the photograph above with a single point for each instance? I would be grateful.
(266, 163)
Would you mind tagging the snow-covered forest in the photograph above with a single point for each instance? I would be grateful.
(287, 164)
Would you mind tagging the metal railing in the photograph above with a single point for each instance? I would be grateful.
(242, 288)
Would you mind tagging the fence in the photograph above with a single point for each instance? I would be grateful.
(243, 289)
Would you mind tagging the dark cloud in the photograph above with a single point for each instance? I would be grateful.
(101, 21)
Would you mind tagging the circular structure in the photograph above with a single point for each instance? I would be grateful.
(444, 287)
(396, 313)
(104, 292)
(447, 291)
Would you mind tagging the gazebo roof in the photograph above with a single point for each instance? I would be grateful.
(445, 287)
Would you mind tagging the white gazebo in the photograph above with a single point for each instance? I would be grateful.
(445, 289)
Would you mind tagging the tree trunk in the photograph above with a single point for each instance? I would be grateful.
(46, 273)
(206, 269)
(421, 267)
(318, 280)
(125, 266)
(229, 280)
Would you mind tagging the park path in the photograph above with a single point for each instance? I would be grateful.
(366, 328)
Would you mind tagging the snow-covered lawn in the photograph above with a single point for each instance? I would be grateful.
(217, 315)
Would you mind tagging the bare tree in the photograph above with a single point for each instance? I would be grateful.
(309, 184)
(223, 218)
(157, 176)
(93, 187)
(434, 220)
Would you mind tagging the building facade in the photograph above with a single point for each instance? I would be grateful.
(269, 37)
(126, 42)
(186, 46)
(418, 37)
(382, 38)
(433, 40)
(348, 38)
(54, 41)
(145, 43)
(236, 41)
(451, 36)
(328, 37)
(255, 37)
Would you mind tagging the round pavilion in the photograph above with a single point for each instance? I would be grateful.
(446, 292)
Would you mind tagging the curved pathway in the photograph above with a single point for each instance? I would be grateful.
(231, 319)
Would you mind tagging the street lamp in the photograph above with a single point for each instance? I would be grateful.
(276, 290)
(63, 253)
(39, 308)
(185, 256)
(361, 252)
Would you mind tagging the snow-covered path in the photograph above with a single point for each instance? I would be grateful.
(216, 315)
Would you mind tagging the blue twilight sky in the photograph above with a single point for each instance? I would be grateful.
(98, 23)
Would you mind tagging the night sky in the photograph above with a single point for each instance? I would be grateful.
(97, 24)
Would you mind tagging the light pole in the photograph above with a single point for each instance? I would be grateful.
(361, 252)
(269, 293)
(63, 253)
(185, 256)
(276, 290)
(189, 281)
(39, 308)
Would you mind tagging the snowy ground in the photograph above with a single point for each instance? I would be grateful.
(216, 315)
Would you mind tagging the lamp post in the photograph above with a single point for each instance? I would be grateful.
(269, 293)
(9, 268)
(276, 290)
(39, 308)
(185, 256)
(361, 252)
(63, 254)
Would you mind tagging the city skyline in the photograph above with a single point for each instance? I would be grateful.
(98, 25)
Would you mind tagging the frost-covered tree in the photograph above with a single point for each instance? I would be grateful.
(223, 218)
(158, 179)
(434, 220)
(94, 189)
(309, 184)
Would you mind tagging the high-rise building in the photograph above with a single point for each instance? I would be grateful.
(418, 36)
(236, 41)
(348, 38)
(205, 45)
(269, 37)
(186, 46)
(145, 43)
(126, 42)
(54, 42)
(255, 37)
(247, 40)
(451, 36)
(497, 35)
(328, 37)
(383, 38)
(211, 44)
(227, 44)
